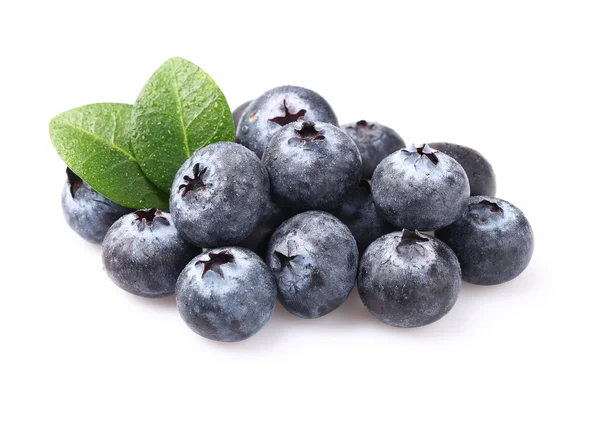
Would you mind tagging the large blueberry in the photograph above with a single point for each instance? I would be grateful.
(374, 142)
(361, 216)
(258, 240)
(143, 253)
(420, 188)
(238, 112)
(87, 212)
(408, 279)
(276, 108)
(312, 166)
(314, 258)
(226, 294)
(482, 179)
(493, 241)
(219, 195)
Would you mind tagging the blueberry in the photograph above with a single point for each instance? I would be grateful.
(493, 241)
(408, 279)
(258, 240)
(144, 254)
(420, 188)
(312, 165)
(238, 112)
(87, 212)
(276, 108)
(361, 216)
(374, 142)
(314, 258)
(226, 294)
(482, 179)
(219, 195)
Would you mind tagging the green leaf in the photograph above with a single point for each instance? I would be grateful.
(179, 110)
(95, 142)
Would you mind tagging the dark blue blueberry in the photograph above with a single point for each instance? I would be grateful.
(312, 165)
(482, 179)
(314, 258)
(276, 108)
(420, 188)
(361, 216)
(143, 253)
(238, 112)
(226, 294)
(408, 279)
(374, 142)
(219, 195)
(258, 240)
(493, 241)
(87, 212)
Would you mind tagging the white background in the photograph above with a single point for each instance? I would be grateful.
(518, 81)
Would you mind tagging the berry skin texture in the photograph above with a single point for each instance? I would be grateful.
(87, 212)
(276, 108)
(420, 188)
(374, 142)
(361, 216)
(312, 166)
(238, 112)
(408, 279)
(258, 240)
(226, 294)
(482, 180)
(143, 253)
(219, 195)
(314, 258)
(492, 240)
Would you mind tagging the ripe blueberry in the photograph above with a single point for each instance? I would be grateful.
(143, 253)
(219, 195)
(374, 142)
(420, 188)
(493, 241)
(276, 108)
(361, 216)
(314, 258)
(311, 165)
(408, 279)
(482, 179)
(226, 294)
(258, 240)
(238, 112)
(87, 212)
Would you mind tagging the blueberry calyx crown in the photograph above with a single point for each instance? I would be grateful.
(146, 217)
(308, 133)
(75, 182)
(194, 183)
(424, 150)
(215, 261)
(288, 117)
(363, 127)
(284, 260)
(484, 209)
(410, 242)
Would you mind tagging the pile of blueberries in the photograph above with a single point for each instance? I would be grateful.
(300, 209)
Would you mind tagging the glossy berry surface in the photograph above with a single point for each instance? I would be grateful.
(312, 166)
(276, 108)
(420, 188)
(226, 294)
(143, 253)
(408, 279)
(87, 212)
(258, 240)
(482, 180)
(219, 195)
(314, 258)
(359, 214)
(374, 142)
(492, 240)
